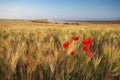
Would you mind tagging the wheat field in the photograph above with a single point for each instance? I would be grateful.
(34, 51)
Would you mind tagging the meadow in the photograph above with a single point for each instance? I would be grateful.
(32, 50)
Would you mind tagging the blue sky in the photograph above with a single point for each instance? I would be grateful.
(60, 9)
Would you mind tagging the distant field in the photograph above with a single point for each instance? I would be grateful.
(30, 25)
(33, 50)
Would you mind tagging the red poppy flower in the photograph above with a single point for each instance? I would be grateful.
(86, 41)
(65, 45)
(108, 79)
(86, 47)
(72, 53)
(89, 54)
(75, 38)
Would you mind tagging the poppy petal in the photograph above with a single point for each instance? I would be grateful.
(65, 45)
(72, 53)
(86, 47)
(86, 41)
(89, 54)
(75, 38)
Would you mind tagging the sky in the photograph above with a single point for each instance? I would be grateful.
(60, 9)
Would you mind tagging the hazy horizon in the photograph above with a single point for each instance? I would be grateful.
(60, 9)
